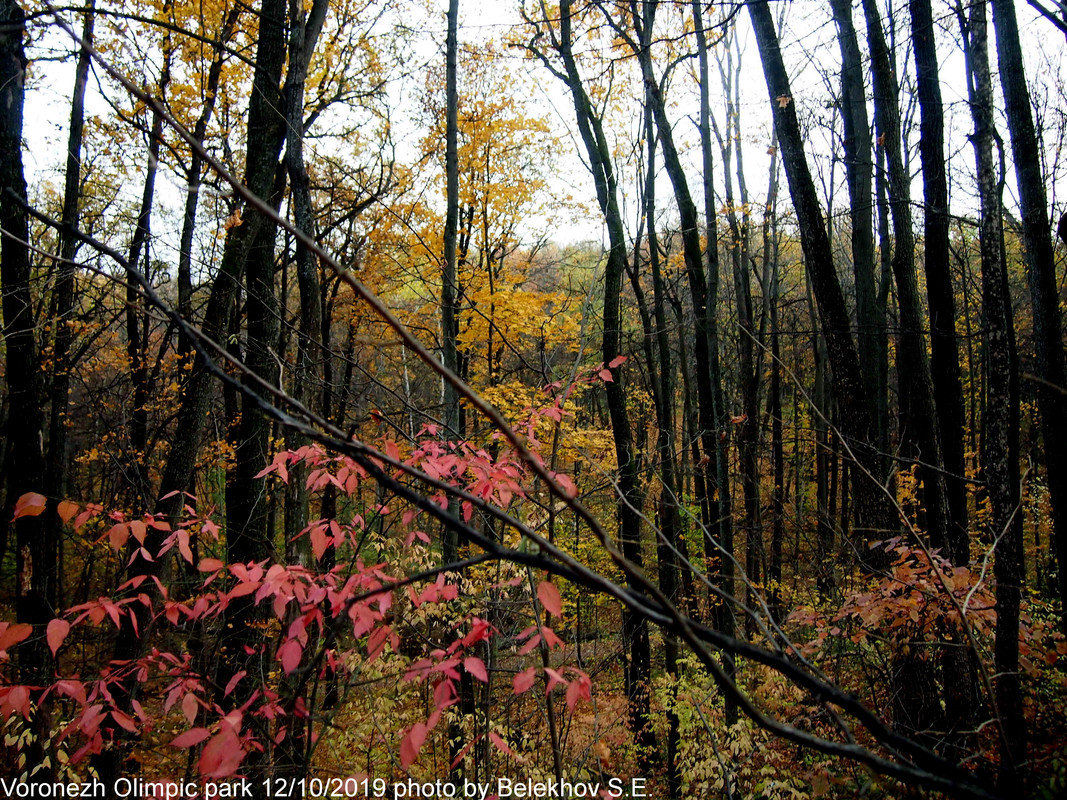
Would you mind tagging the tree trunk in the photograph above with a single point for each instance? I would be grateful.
(266, 133)
(875, 517)
(449, 277)
(63, 299)
(292, 759)
(635, 627)
(714, 460)
(36, 571)
(748, 365)
(1037, 238)
(912, 363)
(668, 541)
(1000, 415)
(944, 351)
(859, 167)
(192, 174)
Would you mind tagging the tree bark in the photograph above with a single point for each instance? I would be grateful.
(875, 517)
(36, 568)
(713, 463)
(58, 466)
(872, 337)
(449, 276)
(1037, 238)
(912, 363)
(1000, 414)
(595, 143)
(944, 350)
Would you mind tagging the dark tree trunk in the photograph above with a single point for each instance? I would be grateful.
(912, 364)
(137, 321)
(916, 706)
(1000, 415)
(192, 174)
(449, 277)
(748, 365)
(1037, 238)
(944, 350)
(714, 461)
(35, 544)
(668, 541)
(635, 627)
(292, 757)
(248, 536)
(63, 299)
(778, 495)
(307, 375)
(875, 516)
(266, 133)
(859, 167)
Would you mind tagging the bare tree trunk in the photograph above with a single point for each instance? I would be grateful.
(449, 285)
(292, 755)
(912, 363)
(875, 517)
(1000, 415)
(635, 627)
(668, 541)
(1037, 237)
(192, 174)
(859, 167)
(944, 351)
(266, 132)
(715, 473)
(36, 569)
(748, 364)
(137, 320)
(63, 299)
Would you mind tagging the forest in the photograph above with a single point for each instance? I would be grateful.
(593, 398)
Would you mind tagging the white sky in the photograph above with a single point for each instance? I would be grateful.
(809, 28)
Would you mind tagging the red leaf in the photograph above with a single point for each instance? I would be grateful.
(11, 635)
(289, 654)
(118, 535)
(476, 667)
(138, 530)
(376, 642)
(319, 541)
(554, 679)
(233, 683)
(190, 737)
(574, 691)
(30, 504)
(605, 375)
(183, 546)
(222, 755)
(66, 510)
(123, 720)
(616, 361)
(57, 632)
(412, 744)
(241, 589)
(524, 680)
(566, 484)
(209, 565)
(19, 700)
(190, 707)
(550, 637)
(501, 745)
(548, 594)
